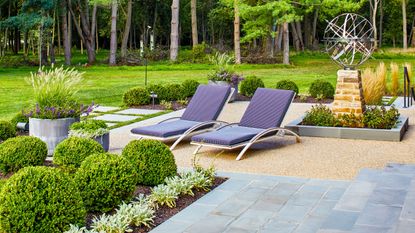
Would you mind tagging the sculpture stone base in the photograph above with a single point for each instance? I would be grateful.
(349, 93)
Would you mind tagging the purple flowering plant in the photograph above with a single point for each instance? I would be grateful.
(58, 112)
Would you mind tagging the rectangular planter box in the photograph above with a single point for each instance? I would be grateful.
(395, 134)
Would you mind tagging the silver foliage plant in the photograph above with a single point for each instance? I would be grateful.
(141, 211)
(88, 134)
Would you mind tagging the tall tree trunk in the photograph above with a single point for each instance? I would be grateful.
(404, 25)
(307, 31)
(127, 29)
(64, 26)
(174, 36)
(381, 23)
(237, 33)
(113, 41)
(286, 39)
(86, 28)
(373, 15)
(300, 34)
(296, 40)
(193, 6)
(315, 21)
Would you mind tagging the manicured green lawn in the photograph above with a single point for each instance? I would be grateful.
(106, 85)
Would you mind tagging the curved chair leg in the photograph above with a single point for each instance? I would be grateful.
(297, 137)
(243, 151)
(178, 141)
(197, 149)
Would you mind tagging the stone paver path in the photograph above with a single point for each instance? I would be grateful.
(256, 203)
(105, 109)
(377, 201)
(115, 118)
(134, 111)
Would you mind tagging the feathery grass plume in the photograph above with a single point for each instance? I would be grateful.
(374, 83)
(409, 68)
(395, 79)
(55, 87)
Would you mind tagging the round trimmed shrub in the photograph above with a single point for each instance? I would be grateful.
(40, 199)
(105, 180)
(2, 183)
(160, 90)
(321, 89)
(173, 91)
(73, 150)
(20, 152)
(189, 88)
(136, 96)
(152, 159)
(7, 130)
(19, 117)
(287, 85)
(250, 84)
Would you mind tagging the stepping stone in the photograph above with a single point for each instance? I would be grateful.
(110, 124)
(115, 118)
(105, 109)
(134, 111)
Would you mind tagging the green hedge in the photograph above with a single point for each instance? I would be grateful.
(73, 150)
(189, 88)
(40, 199)
(287, 85)
(105, 180)
(250, 84)
(7, 130)
(152, 159)
(136, 96)
(20, 152)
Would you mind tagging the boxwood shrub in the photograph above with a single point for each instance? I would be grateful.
(105, 180)
(153, 161)
(7, 130)
(136, 96)
(73, 150)
(173, 92)
(287, 85)
(189, 88)
(250, 84)
(40, 199)
(321, 89)
(160, 90)
(20, 152)
(19, 117)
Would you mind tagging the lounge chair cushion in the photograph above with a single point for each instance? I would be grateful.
(228, 136)
(165, 129)
(207, 103)
(267, 108)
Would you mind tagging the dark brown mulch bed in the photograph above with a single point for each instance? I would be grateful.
(163, 213)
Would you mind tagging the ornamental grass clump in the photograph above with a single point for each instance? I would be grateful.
(395, 79)
(374, 84)
(40, 199)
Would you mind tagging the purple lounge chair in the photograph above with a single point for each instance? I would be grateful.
(199, 116)
(262, 120)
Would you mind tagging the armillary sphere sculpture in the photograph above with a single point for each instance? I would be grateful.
(349, 40)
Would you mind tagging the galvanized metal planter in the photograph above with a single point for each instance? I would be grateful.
(395, 134)
(50, 131)
(104, 140)
(223, 83)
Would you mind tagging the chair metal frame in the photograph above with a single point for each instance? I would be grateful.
(196, 129)
(261, 136)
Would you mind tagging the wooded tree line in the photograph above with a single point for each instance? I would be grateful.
(265, 27)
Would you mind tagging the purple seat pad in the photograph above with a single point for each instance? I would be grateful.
(166, 129)
(228, 136)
